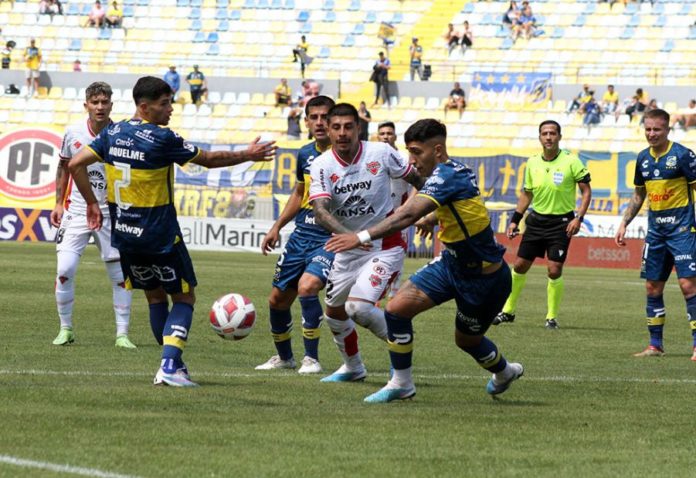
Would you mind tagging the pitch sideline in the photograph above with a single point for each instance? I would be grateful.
(75, 470)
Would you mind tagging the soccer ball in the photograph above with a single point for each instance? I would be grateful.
(232, 317)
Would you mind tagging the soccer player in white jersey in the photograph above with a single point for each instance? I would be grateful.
(351, 190)
(70, 216)
(400, 189)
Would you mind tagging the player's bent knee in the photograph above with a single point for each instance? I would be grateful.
(309, 285)
(466, 341)
(281, 299)
(359, 311)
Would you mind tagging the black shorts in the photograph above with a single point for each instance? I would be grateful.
(173, 271)
(545, 235)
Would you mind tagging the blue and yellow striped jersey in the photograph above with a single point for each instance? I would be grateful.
(668, 179)
(465, 228)
(139, 159)
(305, 224)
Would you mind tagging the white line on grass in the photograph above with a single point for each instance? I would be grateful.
(454, 376)
(75, 470)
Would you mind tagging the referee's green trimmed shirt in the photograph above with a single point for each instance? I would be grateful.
(553, 183)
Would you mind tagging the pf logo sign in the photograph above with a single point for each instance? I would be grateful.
(28, 161)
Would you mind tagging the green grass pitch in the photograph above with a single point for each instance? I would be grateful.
(584, 407)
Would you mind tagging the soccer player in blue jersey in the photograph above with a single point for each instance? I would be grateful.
(304, 265)
(666, 175)
(470, 270)
(139, 155)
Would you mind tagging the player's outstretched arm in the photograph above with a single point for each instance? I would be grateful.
(632, 210)
(292, 207)
(408, 214)
(78, 170)
(256, 151)
(62, 176)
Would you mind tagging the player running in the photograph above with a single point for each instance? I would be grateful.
(139, 155)
(304, 265)
(350, 190)
(470, 270)
(70, 216)
(666, 175)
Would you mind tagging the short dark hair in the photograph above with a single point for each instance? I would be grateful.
(343, 109)
(98, 88)
(320, 100)
(656, 113)
(555, 123)
(425, 129)
(385, 124)
(150, 88)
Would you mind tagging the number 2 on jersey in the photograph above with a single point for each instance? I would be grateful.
(122, 183)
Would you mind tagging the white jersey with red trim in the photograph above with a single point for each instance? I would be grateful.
(77, 137)
(360, 191)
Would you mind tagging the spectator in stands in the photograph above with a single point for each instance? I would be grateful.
(451, 37)
(467, 36)
(294, 117)
(300, 53)
(283, 93)
(32, 58)
(593, 112)
(526, 23)
(380, 76)
(6, 55)
(582, 98)
(610, 100)
(96, 16)
(50, 7)
(114, 17)
(685, 118)
(510, 17)
(198, 85)
(416, 65)
(652, 105)
(364, 121)
(636, 104)
(77, 66)
(172, 78)
(457, 99)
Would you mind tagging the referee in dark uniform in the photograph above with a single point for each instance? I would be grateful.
(550, 184)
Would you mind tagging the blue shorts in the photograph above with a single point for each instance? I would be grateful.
(172, 271)
(661, 253)
(299, 256)
(479, 298)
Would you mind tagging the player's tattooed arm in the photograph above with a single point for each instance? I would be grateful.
(414, 179)
(323, 216)
(634, 204)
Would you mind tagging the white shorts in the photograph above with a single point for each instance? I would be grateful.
(73, 235)
(363, 275)
(32, 74)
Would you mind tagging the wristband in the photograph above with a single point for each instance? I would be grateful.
(516, 217)
(364, 237)
(580, 218)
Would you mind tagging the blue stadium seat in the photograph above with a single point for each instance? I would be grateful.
(661, 21)
(197, 3)
(306, 28)
(468, 7)
(195, 14)
(143, 3)
(129, 2)
(213, 37)
(86, 8)
(73, 9)
(129, 11)
(358, 29)
(328, 5)
(370, 17)
(303, 16)
(199, 37)
(354, 5)
(196, 25)
(235, 15)
(182, 3)
(222, 3)
(75, 44)
(289, 5)
(223, 26)
(397, 18)
(330, 16)
(686, 9)
(590, 8)
(105, 33)
(249, 4)
(214, 49)
(263, 4)
(558, 32)
(507, 44)
(634, 21)
(349, 41)
(631, 8)
(580, 21)
(488, 19)
(277, 4)
(220, 14)
(668, 46)
(628, 33)
(324, 52)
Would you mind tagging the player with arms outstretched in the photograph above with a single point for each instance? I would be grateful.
(70, 216)
(304, 265)
(666, 175)
(351, 189)
(470, 270)
(139, 155)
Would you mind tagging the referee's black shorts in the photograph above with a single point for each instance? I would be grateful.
(546, 235)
